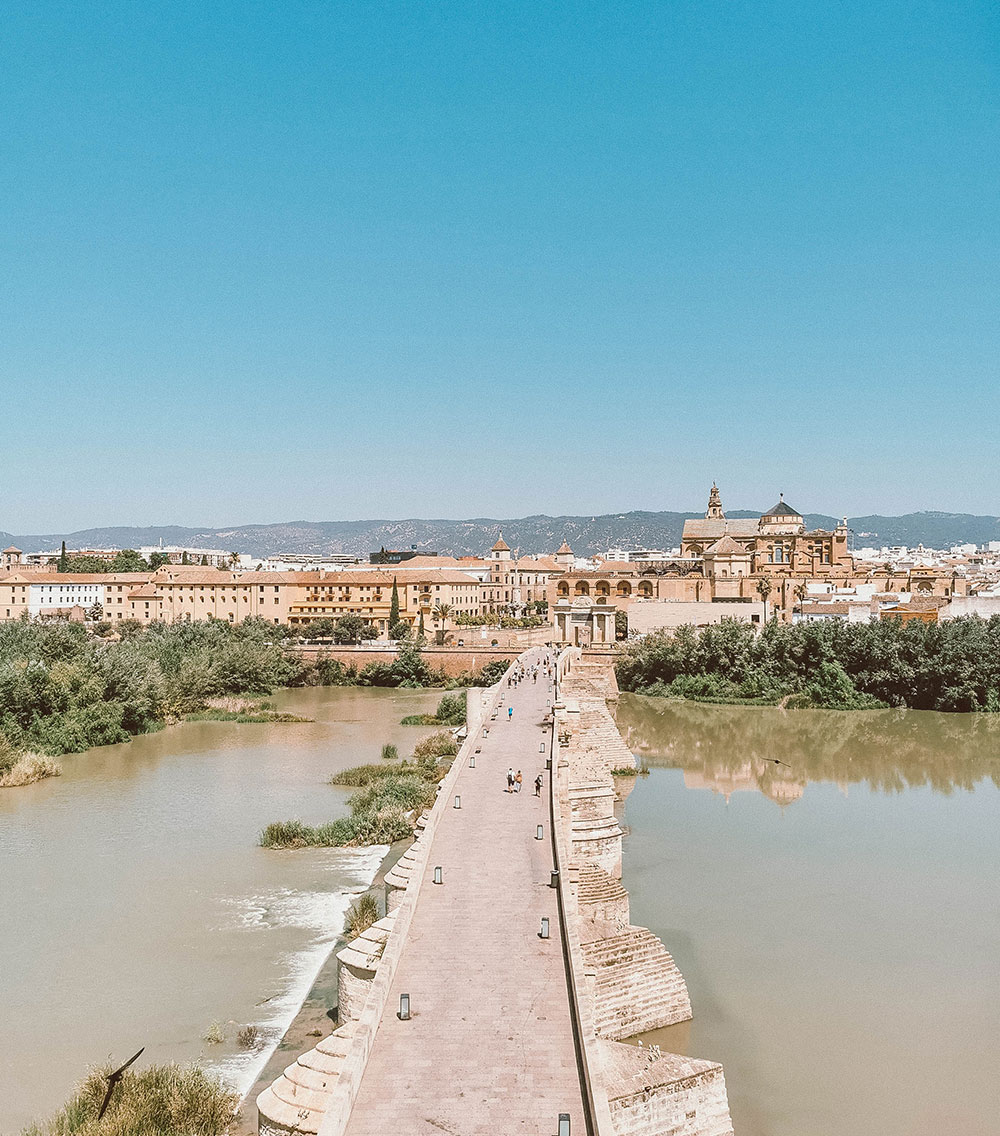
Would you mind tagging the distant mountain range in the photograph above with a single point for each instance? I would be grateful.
(541, 534)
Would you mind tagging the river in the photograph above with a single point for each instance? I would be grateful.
(837, 917)
(138, 909)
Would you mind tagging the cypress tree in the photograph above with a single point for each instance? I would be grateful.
(394, 605)
(63, 559)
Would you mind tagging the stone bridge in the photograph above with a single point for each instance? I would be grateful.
(496, 994)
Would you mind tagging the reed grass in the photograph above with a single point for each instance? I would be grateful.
(237, 708)
(358, 776)
(26, 769)
(361, 915)
(389, 752)
(163, 1100)
(435, 745)
(295, 834)
(409, 791)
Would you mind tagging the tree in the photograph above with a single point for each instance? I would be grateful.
(441, 613)
(420, 629)
(234, 559)
(801, 591)
(764, 591)
(63, 559)
(87, 564)
(157, 560)
(352, 629)
(128, 560)
(394, 606)
(95, 612)
(204, 561)
(185, 559)
(621, 624)
(399, 630)
(322, 628)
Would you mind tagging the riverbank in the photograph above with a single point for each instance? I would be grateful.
(148, 851)
(316, 1017)
(951, 667)
(64, 690)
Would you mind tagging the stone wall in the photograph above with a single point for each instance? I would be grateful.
(358, 962)
(625, 980)
(657, 615)
(665, 1094)
(451, 660)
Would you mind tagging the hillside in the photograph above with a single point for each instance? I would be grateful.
(530, 534)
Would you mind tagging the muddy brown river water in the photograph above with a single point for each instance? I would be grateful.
(837, 918)
(136, 908)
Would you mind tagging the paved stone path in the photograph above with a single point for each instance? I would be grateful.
(489, 1048)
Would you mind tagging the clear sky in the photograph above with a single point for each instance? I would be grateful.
(272, 261)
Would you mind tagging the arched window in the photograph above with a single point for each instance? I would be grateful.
(645, 589)
(624, 588)
(582, 588)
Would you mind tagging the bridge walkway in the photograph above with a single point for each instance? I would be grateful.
(489, 1047)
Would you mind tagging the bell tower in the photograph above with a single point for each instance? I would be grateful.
(714, 511)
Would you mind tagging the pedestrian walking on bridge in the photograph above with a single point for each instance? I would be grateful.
(538, 785)
(510, 713)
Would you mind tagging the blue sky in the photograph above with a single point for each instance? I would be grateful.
(309, 260)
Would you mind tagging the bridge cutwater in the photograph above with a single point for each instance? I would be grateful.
(498, 993)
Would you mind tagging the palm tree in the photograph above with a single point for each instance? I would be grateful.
(801, 591)
(764, 591)
(441, 612)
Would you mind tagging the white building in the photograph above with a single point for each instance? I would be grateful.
(644, 555)
(50, 597)
(298, 562)
(216, 557)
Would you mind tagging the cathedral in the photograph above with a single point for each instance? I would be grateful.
(776, 543)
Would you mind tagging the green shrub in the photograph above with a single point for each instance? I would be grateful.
(389, 752)
(435, 745)
(63, 690)
(451, 710)
(492, 673)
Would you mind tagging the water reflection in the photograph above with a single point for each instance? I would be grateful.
(732, 748)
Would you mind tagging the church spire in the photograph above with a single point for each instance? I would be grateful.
(714, 511)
